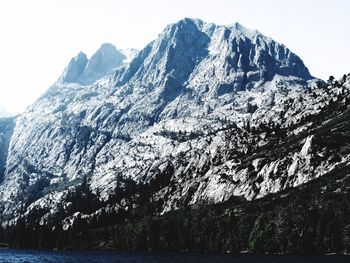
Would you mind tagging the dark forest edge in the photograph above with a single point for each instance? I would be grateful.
(310, 219)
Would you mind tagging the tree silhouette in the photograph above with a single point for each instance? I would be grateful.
(330, 80)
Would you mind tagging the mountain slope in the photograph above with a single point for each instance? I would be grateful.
(6, 130)
(311, 218)
(201, 114)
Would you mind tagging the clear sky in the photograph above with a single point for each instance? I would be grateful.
(38, 37)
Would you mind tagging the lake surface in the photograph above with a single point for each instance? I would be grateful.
(38, 256)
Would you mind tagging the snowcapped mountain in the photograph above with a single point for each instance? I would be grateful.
(201, 114)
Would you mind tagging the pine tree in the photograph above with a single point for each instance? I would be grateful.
(330, 80)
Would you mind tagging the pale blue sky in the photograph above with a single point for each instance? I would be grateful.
(38, 37)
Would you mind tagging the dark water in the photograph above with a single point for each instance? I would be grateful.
(34, 256)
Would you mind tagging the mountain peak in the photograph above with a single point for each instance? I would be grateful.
(86, 71)
(74, 69)
(208, 27)
(102, 63)
(107, 46)
(186, 24)
(187, 20)
(107, 49)
(235, 58)
(81, 54)
(247, 32)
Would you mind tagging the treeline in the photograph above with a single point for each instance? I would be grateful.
(311, 219)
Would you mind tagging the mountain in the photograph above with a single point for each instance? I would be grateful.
(202, 115)
(86, 71)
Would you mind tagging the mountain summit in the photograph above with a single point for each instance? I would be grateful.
(230, 57)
